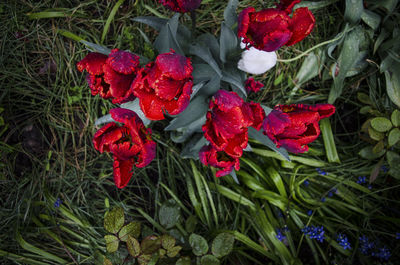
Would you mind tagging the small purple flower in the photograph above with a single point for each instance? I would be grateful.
(279, 235)
(365, 245)
(384, 168)
(309, 212)
(343, 241)
(362, 180)
(314, 232)
(57, 203)
(323, 199)
(382, 253)
(321, 172)
(306, 183)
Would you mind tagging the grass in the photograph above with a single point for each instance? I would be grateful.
(47, 153)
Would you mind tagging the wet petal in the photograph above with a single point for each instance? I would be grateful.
(123, 62)
(174, 66)
(122, 172)
(301, 24)
(93, 63)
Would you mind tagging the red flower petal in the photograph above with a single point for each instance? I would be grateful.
(99, 135)
(226, 101)
(98, 86)
(252, 85)
(119, 84)
(181, 6)
(122, 171)
(93, 63)
(174, 66)
(152, 107)
(258, 115)
(214, 158)
(324, 110)
(287, 5)
(123, 115)
(147, 154)
(175, 107)
(293, 145)
(236, 144)
(275, 124)
(301, 24)
(123, 62)
(244, 22)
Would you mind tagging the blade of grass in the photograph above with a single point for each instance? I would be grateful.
(110, 19)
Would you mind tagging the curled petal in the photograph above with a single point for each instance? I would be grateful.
(174, 66)
(244, 22)
(98, 142)
(301, 24)
(214, 158)
(236, 144)
(123, 62)
(122, 171)
(181, 6)
(93, 63)
(324, 110)
(119, 84)
(275, 124)
(258, 115)
(287, 5)
(123, 115)
(226, 101)
(175, 107)
(293, 145)
(98, 86)
(147, 154)
(252, 85)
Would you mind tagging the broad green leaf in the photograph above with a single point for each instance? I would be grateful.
(112, 243)
(354, 10)
(389, 5)
(183, 261)
(167, 241)
(211, 42)
(202, 72)
(375, 135)
(394, 137)
(393, 86)
(222, 245)
(144, 259)
(154, 22)
(381, 124)
(232, 76)
(230, 15)
(205, 54)
(209, 260)
(199, 244)
(364, 98)
(172, 252)
(263, 139)
(193, 146)
(150, 245)
(315, 5)
(131, 229)
(169, 214)
(228, 42)
(114, 220)
(367, 153)
(167, 38)
(162, 252)
(133, 246)
(395, 118)
(371, 19)
(107, 261)
(378, 148)
(190, 224)
(309, 68)
(394, 164)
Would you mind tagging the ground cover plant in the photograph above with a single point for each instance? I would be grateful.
(337, 203)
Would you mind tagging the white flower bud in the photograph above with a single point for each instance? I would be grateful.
(256, 62)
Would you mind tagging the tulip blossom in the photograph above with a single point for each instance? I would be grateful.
(130, 144)
(226, 129)
(256, 62)
(164, 86)
(111, 76)
(209, 156)
(295, 126)
(271, 28)
(181, 6)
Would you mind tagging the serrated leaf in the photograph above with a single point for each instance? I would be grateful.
(367, 153)
(169, 214)
(222, 245)
(183, 261)
(132, 229)
(190, 224)
(393, 86)
(133, 246)
(144, 259)
(167, 241)
(150, 244)
(395, 118)
(107, 261)
(353, 11)
(230, 15)
(112, 243)
(228, 42)
(172, 252)
(394, 164)
(263, 139)
(209, 260)
(375, 135)
(394, 137)
(114, 220)
(199, 244)
(381, 124)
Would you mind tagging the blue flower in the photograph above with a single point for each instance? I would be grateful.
(365, 245)
(382, 253)
(306, 183)
(343, 241)
(362, 180)
(384, 168)
(309, 212)
(323, 199)
(321, 172)
(279, 235)
(57, 203)
(397, 235)
(314, 232)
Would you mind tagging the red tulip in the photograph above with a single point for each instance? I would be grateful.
(181, 6)
(130, 144)
(295, 126)
(164, 85)
(209, 156)
(270, 29)
(111, 76)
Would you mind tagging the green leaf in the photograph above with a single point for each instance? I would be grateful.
(394, 137)
(190, 224)
(375, 135)
(133, 246)
(364, 98)
(329, 141)
(131, 229)
(193, 146)
(393, 86)
(263, 139)
(150, 244)
(199, 244)
(183, 261)
(232, 76)
(169, 214)
(205, 54)
(172, 252)
(381, 124)
(144, 259)
(378, 148)
(228, 42)
(375, 171)
(209, 260)
(395, 118)
(167, 38)
(230, 15)
(112, 243)
(371, 19)
(107, 261)
(394, 163)
(114, 220)
(211, 42)
(222, 245)
(110, 19)
(354, 10)
(367, 153)
(308, 70)
(167, 241)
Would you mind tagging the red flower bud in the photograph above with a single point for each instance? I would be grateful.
(164, 86)
(295, 126)
(130, 144)
(181, 6)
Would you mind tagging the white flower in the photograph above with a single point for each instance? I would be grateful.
(256, 62)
